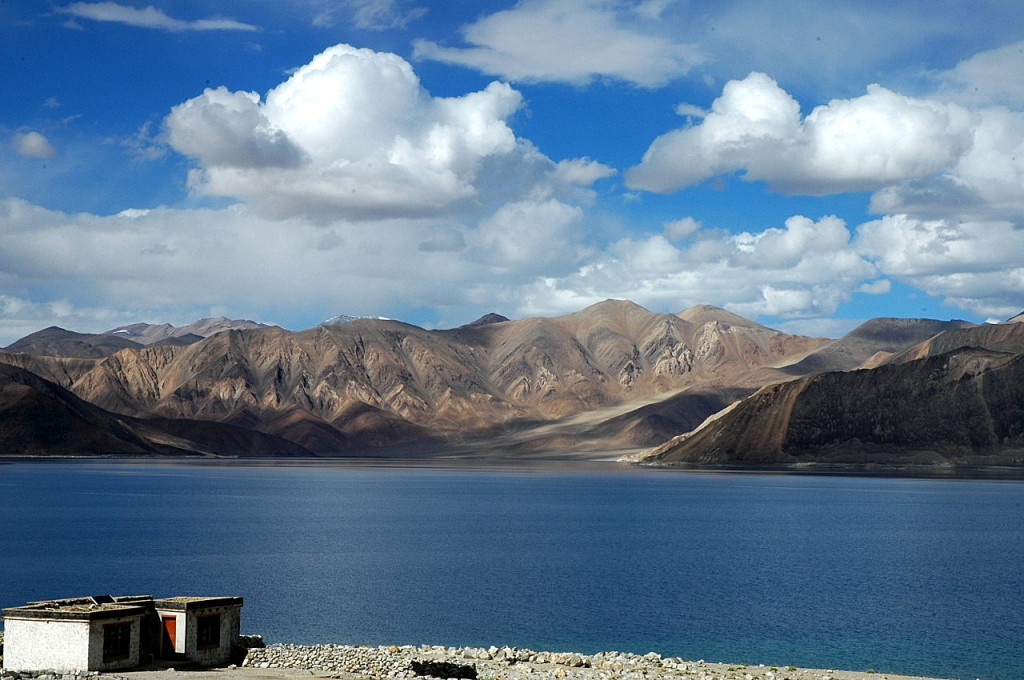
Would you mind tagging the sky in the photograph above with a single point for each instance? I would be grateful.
(805, 164)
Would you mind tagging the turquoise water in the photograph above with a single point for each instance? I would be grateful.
(918, 576)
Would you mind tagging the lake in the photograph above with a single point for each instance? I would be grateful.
(920, 576)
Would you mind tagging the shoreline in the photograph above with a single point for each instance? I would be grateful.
(942, 472)
(283, 661)
(359, 662)
(407, 662)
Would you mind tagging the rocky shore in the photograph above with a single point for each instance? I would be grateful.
(350, 662)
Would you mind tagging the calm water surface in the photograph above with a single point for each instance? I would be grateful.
(910, 575)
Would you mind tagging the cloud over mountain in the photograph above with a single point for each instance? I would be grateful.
(806, 268)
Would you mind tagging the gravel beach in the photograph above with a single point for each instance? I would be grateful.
(288, 662)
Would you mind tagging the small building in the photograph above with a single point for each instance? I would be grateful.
(118, 633)
(200, 629)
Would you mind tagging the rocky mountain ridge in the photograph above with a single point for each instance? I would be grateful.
(59, 342)
(149, 334)
(377, 383)
(611, 378)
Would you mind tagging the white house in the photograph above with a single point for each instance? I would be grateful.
(200, 629)
(117, 633)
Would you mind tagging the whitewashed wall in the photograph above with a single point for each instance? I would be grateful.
(33, 645)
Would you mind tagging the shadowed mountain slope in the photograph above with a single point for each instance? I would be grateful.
(40, 418)
(963, 407)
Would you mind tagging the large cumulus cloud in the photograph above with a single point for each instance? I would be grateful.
(353, 134)
(755, 127)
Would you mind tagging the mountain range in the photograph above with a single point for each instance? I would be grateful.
(610, 379)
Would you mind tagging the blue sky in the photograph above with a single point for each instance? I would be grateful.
(808, 165)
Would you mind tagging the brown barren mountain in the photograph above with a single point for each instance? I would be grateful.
(1000, 337)
(931, 404)
(339, 389)
(872, 342)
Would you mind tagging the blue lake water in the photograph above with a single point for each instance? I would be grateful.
(920, 576)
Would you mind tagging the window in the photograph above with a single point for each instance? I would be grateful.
(208, 631)
(117, 641)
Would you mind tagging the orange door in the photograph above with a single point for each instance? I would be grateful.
(170, 635)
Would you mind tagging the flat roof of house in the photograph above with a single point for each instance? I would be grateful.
(107, 607)
(81, 608)
(189, 603)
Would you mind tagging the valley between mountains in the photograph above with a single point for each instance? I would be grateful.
(610, 380)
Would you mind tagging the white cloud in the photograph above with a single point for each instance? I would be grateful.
(230, 129)
(353, 134)
(149, 17)
(805, 269)
(33, 145)
(986, 184)
(20, 317)
(651, 42)
(690, 110)
(373, 15)
(879, 287)
(572, 41)
(847, 145)
(677, 230)
(528, 237)
(985, 78)
(905, 246)
(162, 264)
(526, 257)
(582, 171)
(383, 14)
(974, 265)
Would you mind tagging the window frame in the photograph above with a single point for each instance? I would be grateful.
(117, 641)
(208, 631)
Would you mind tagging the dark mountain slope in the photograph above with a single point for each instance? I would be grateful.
(964, 407)
(38, 418)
